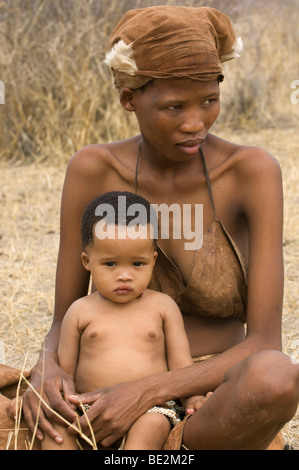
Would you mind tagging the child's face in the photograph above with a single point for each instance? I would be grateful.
(121, 268)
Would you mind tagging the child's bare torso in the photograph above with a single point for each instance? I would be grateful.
(119, 342)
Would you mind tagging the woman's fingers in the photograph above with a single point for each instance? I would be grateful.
(46, 408)
(58, 407)
(68, 388)
(90, 397)
(39, 424)
(14, 407)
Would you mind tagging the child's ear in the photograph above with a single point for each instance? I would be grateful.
(155, 256)
(85, 260)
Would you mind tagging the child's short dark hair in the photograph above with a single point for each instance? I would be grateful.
(95, 211)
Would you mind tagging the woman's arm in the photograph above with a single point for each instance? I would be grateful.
(72, 282)
(262, 197)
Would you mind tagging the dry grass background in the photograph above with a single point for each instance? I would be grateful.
(58, 98)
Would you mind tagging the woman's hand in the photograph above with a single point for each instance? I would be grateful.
(55, 385)
(113, 411)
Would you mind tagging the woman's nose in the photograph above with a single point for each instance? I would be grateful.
(193, 122)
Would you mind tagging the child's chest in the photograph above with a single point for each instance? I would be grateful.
(141, 328)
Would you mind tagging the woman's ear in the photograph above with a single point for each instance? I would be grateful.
(85, 260)
(126, 98)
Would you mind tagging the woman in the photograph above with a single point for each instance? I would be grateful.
(165, 62)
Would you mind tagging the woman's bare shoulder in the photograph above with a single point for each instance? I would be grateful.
(246, 161)
(256, 182)
(98, 157)
(256, 168)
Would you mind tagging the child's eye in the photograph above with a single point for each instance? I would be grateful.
(138, 263)
(110, 263)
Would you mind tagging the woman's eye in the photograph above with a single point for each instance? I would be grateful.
(210, 101)
(175, 107)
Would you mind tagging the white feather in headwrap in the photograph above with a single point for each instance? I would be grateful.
(120, 58)
(235, 52)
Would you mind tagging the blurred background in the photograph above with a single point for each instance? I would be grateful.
(58, 91)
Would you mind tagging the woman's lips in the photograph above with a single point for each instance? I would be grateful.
(190, 146)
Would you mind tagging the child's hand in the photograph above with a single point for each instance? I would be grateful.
(193, 404)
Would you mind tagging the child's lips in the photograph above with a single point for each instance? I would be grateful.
(123, 289)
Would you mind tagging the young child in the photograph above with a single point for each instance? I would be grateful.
(122, 331)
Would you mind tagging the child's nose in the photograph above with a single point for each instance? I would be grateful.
(124, 275)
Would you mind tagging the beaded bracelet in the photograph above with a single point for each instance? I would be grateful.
(168, 412)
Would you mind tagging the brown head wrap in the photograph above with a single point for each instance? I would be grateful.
(170, 42)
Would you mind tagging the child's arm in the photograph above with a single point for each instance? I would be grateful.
(178, 350)
(177, 344)
(69, 342)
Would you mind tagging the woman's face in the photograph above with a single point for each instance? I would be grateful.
(175, 115)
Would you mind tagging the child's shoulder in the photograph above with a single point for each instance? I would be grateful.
(163, 299)
(79, 305)
(155, 293)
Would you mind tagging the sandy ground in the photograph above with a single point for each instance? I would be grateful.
(29, 235)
